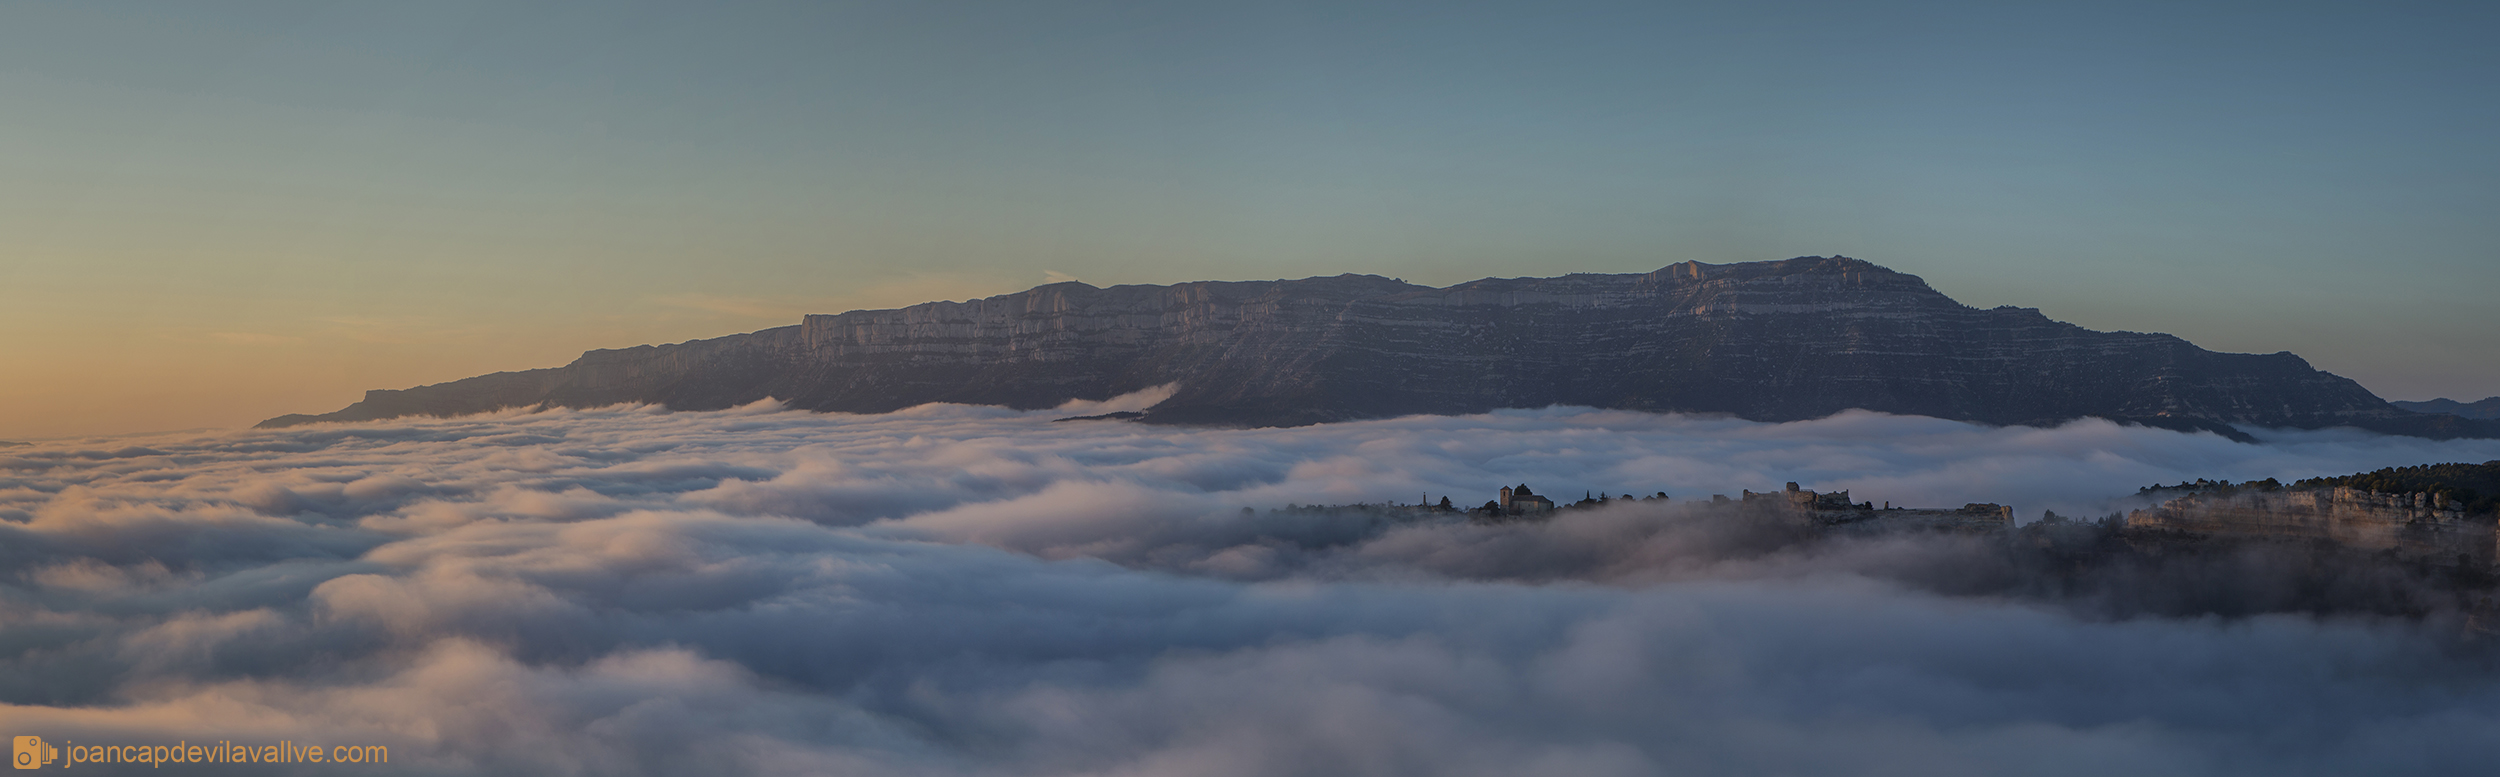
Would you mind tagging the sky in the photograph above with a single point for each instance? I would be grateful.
(217, 213)
(952, 590)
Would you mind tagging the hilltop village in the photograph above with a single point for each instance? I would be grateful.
(2413, 542)
(1805, 506)
(2445, 515)
(1792, 505)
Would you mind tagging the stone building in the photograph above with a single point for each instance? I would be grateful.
(1518, 500)
(1835, 510)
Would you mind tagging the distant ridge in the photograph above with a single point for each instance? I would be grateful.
(2488, 408)
(1770, 341)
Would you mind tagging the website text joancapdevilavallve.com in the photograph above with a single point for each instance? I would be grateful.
(70, 754)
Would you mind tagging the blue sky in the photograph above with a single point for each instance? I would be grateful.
(222, 212)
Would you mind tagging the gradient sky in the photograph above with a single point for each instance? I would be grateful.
(216, 213)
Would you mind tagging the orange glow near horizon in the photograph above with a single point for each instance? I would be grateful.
(214, 215)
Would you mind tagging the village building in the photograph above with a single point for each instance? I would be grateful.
(1835, 510)
(1520, 501)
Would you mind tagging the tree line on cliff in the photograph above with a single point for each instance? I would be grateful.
(2477, 486)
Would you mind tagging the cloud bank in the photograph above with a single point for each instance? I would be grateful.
(964, 590)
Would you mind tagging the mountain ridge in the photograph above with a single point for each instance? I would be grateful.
(1771, 341)
(2486, 408)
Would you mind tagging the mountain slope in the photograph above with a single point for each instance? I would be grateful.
(2488, 408)
(1786, 340)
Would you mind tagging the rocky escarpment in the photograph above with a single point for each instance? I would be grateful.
(2433, 512)
(1785, 340)
(2422, 525)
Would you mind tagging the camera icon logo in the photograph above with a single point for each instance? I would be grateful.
(33, 753)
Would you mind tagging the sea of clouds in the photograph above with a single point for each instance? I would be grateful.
(969, 590)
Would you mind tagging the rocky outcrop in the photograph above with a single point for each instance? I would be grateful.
(1785, 340)
(2427, 526)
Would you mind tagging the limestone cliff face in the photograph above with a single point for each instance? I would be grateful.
(2425, 526)
(1786, 340)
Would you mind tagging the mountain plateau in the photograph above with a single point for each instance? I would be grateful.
(1771, 341)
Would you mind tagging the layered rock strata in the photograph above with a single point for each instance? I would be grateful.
(1772, 341)
(2422, 525)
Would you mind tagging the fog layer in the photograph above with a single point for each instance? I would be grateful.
(959, 590)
